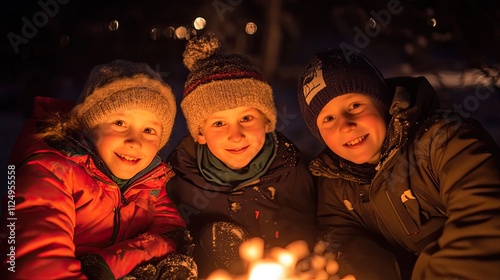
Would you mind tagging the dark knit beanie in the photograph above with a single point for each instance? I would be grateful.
(219, 81)
(122, 85)
(332, 73)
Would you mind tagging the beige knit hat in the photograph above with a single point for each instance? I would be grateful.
(219, 81)
(121, 85)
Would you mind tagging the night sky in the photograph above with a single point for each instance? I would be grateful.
(48, 48)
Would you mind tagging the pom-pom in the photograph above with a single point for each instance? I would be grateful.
(200, 48)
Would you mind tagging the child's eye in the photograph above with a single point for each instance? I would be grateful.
(328, 119)
(218, 124)
(354, 106)
(119, 123)
(247, 118)
(149, 131)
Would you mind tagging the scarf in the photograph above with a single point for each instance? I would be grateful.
(214, 170)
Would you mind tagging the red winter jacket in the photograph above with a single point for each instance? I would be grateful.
(66, 207)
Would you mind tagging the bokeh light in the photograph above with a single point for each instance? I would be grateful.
(181, 32)
(113, 25)
(432, 22)
(169, 32)
(153, 33)
(372, 23)
(251, 28)
(199, 23)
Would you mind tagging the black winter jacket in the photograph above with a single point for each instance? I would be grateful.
(279, 206)
(435, 194)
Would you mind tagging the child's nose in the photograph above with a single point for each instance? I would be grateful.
(235, 133)
(347, 125)
(133, 140)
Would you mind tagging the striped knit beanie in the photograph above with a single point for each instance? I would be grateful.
(332, 73)
(219, 81)
(122, 85)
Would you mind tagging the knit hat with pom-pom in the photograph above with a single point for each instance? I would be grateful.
(219, 81)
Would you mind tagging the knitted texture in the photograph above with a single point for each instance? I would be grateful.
(122, 85)
(219, 81)
(332, 73)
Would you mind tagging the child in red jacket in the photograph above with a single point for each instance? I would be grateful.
(90, 188)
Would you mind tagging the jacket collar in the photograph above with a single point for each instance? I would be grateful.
(81, 150)
(184, 160)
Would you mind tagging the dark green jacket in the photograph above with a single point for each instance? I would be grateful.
(435, 194)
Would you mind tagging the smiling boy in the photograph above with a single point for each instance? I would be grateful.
(353, 127)
(234, 136)
(404, 190)
(236, 176)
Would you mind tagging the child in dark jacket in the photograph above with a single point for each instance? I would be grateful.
(90, 197)
(399, 181)
(236, 177)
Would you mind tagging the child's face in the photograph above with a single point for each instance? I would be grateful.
(353, 127)
(235, 136)
(127, 141)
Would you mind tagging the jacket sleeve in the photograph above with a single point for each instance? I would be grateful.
(151, 245)
(44, 226)
(466, 164)
(124, 256)
(358, 251)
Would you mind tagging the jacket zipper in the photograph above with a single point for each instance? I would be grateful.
(390, 231)
(116, 224)
(116, 210)
(117, 216)
(397, 214)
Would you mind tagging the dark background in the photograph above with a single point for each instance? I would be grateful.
(455, 44)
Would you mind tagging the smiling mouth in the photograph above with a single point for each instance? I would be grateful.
(237, 150)
(128, 158)
(356, 141)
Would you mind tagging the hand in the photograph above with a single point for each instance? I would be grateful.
(173, 267)
(95, 267)
(182, 239)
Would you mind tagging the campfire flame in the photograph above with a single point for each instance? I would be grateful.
(294, 262)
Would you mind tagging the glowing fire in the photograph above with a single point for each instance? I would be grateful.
(252, 250)
(282, 263)
(267, 269)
